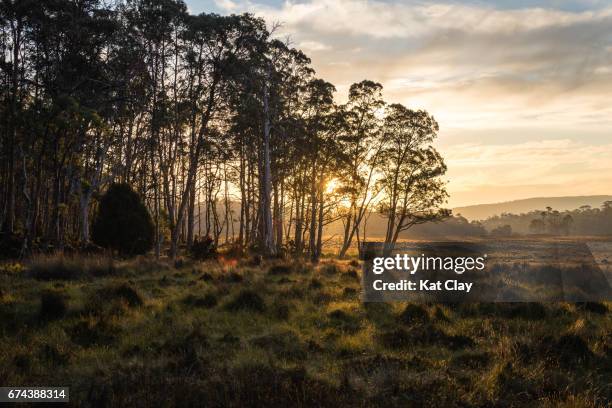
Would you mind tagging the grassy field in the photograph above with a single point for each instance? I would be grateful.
(283, 333)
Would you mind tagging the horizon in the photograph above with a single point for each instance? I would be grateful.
(521, 102)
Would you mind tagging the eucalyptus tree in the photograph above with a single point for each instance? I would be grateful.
(155, 25)
(362, 143)
(67, 112)
(215, 45)
(411, 170)
(323, 154)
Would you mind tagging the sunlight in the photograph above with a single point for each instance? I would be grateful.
(331, 186)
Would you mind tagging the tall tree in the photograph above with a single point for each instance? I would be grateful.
(411, 170)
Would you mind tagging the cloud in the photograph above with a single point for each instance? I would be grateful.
(313, 46)
(520, 73)
(468, 64)
(228, 5)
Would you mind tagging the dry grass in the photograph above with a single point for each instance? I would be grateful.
(277, 334)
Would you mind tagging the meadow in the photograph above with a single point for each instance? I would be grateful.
(282, 332)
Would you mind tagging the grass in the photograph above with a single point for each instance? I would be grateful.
(273, 333)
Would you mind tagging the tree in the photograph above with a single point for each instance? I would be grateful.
(411, 170)
(502, 231)
(195, 113)
(361, 142)
(537, 226)
(123, 222)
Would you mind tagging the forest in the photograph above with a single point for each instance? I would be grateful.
(223, 129)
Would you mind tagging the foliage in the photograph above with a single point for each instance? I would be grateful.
(203, 249)
(123, 222)
(581, 221)
(502, 231)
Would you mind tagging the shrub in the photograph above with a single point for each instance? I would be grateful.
(233, 277)
(329, 269)
(502, 231)
(53, 305)
(254, 260)
(10, 246)
(203, 249)
(280, 269)
(123, 222)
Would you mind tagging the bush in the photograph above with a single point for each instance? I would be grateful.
(123, 222)
(10, 246)
(280, 269)
(53, 305)
(203, 249)
(329, 269)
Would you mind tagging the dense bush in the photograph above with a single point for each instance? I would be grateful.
(123, 222)
(203, 249)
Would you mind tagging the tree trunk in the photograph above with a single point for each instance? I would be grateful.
(267, 238)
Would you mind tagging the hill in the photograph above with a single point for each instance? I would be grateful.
(484, 211)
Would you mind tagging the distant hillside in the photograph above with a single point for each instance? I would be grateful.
(483, 211)
(376, 224)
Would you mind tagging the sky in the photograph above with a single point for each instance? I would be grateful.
(522, 89)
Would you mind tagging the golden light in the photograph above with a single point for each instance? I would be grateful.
(331, 186)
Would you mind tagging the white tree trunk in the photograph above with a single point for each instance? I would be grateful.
(268, 240)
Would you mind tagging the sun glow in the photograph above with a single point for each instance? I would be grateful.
(331, 186)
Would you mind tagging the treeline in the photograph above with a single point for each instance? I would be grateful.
(195, 113)
(581, 221)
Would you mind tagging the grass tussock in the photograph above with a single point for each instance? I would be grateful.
(247, 300)
(53, 305)
(288, 334)
(59, 267)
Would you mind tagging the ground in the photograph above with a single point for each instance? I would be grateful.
(285, 333)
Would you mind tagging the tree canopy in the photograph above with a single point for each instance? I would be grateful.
(223, 130)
